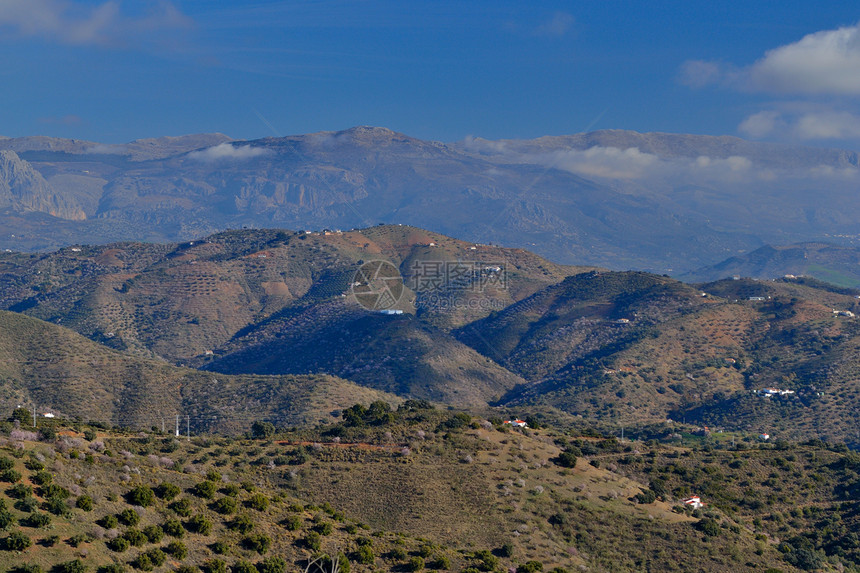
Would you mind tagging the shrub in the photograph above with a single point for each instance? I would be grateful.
(112, 568)
(530, 567)
(220, 548)
(243, 566)
(365, 555)
(213, 475)
(566, 459)
(156, 556)
(293, 523)
(507, 549)
(27, 568)
(415, 564)
(262, 429)
(241, 523)
(205, 489)
(442, 563)
(76, 540)
(37, 520)
(55, 491)
(324, 528)
(129, 517)
(57, 506)
(108, 521)
(153, 533)
(19, 491)
(6, 463)
(259, 543)
(173, 528)
(7, 520)
(142, 495)
(177, 549)
(167, 491)
(187, 569)
(27, 505)
(486, 560)
(10, 476)
(118, 544)
(181, 507)
(42, 478)
(16, 541)
(73, 566)
(646, 497)
(84, 502)
(225, 505)
(272, 565)
(199, 524)
(90, 434)
(312, 541)
(258, 501)
(215, 566)
(135, 537)
(143, 562)
(709, 527)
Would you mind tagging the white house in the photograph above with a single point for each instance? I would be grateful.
(693, 501)
(764, 437)
(517, 423)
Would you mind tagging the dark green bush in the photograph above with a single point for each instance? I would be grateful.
(241, 523)
(129, 517)
(293, 523)
(42, 478)
(205, 489)
(112, 568)
(365, 555)
(37, 520)
(19, 491)
(181, 507)
(225, 505)
(259, 543)
(199, 524)
(415, 564)
(215, 566)
(177, 549)
(84, 502)
(530, 567)
(108, 521)
(135, 537)
(167, 491)
(73, 566)
(118, 544)
(243, 566)
(16, 541)
(173, 528)
(272, 564)
(142, 495)
(153, 533)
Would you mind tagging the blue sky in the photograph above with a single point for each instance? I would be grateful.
(113, 71)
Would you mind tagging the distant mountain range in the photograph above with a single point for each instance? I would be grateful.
(619, 199)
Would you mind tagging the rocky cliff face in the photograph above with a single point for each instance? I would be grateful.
(24, 189)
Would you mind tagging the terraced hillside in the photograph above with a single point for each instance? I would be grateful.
(640, 348)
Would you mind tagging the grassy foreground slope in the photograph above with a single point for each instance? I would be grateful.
(392, 490)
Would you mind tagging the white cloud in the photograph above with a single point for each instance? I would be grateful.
(828, 125)
(802, 122)
(762, 124)
(77, 23)
(826, 62)
(605, 162)
(822, 63)
(227, 151)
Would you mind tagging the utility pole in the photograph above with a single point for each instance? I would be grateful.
(34, 416)
(188, 427)
(177, 425)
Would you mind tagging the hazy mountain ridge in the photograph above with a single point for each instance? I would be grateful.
(614, 198)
